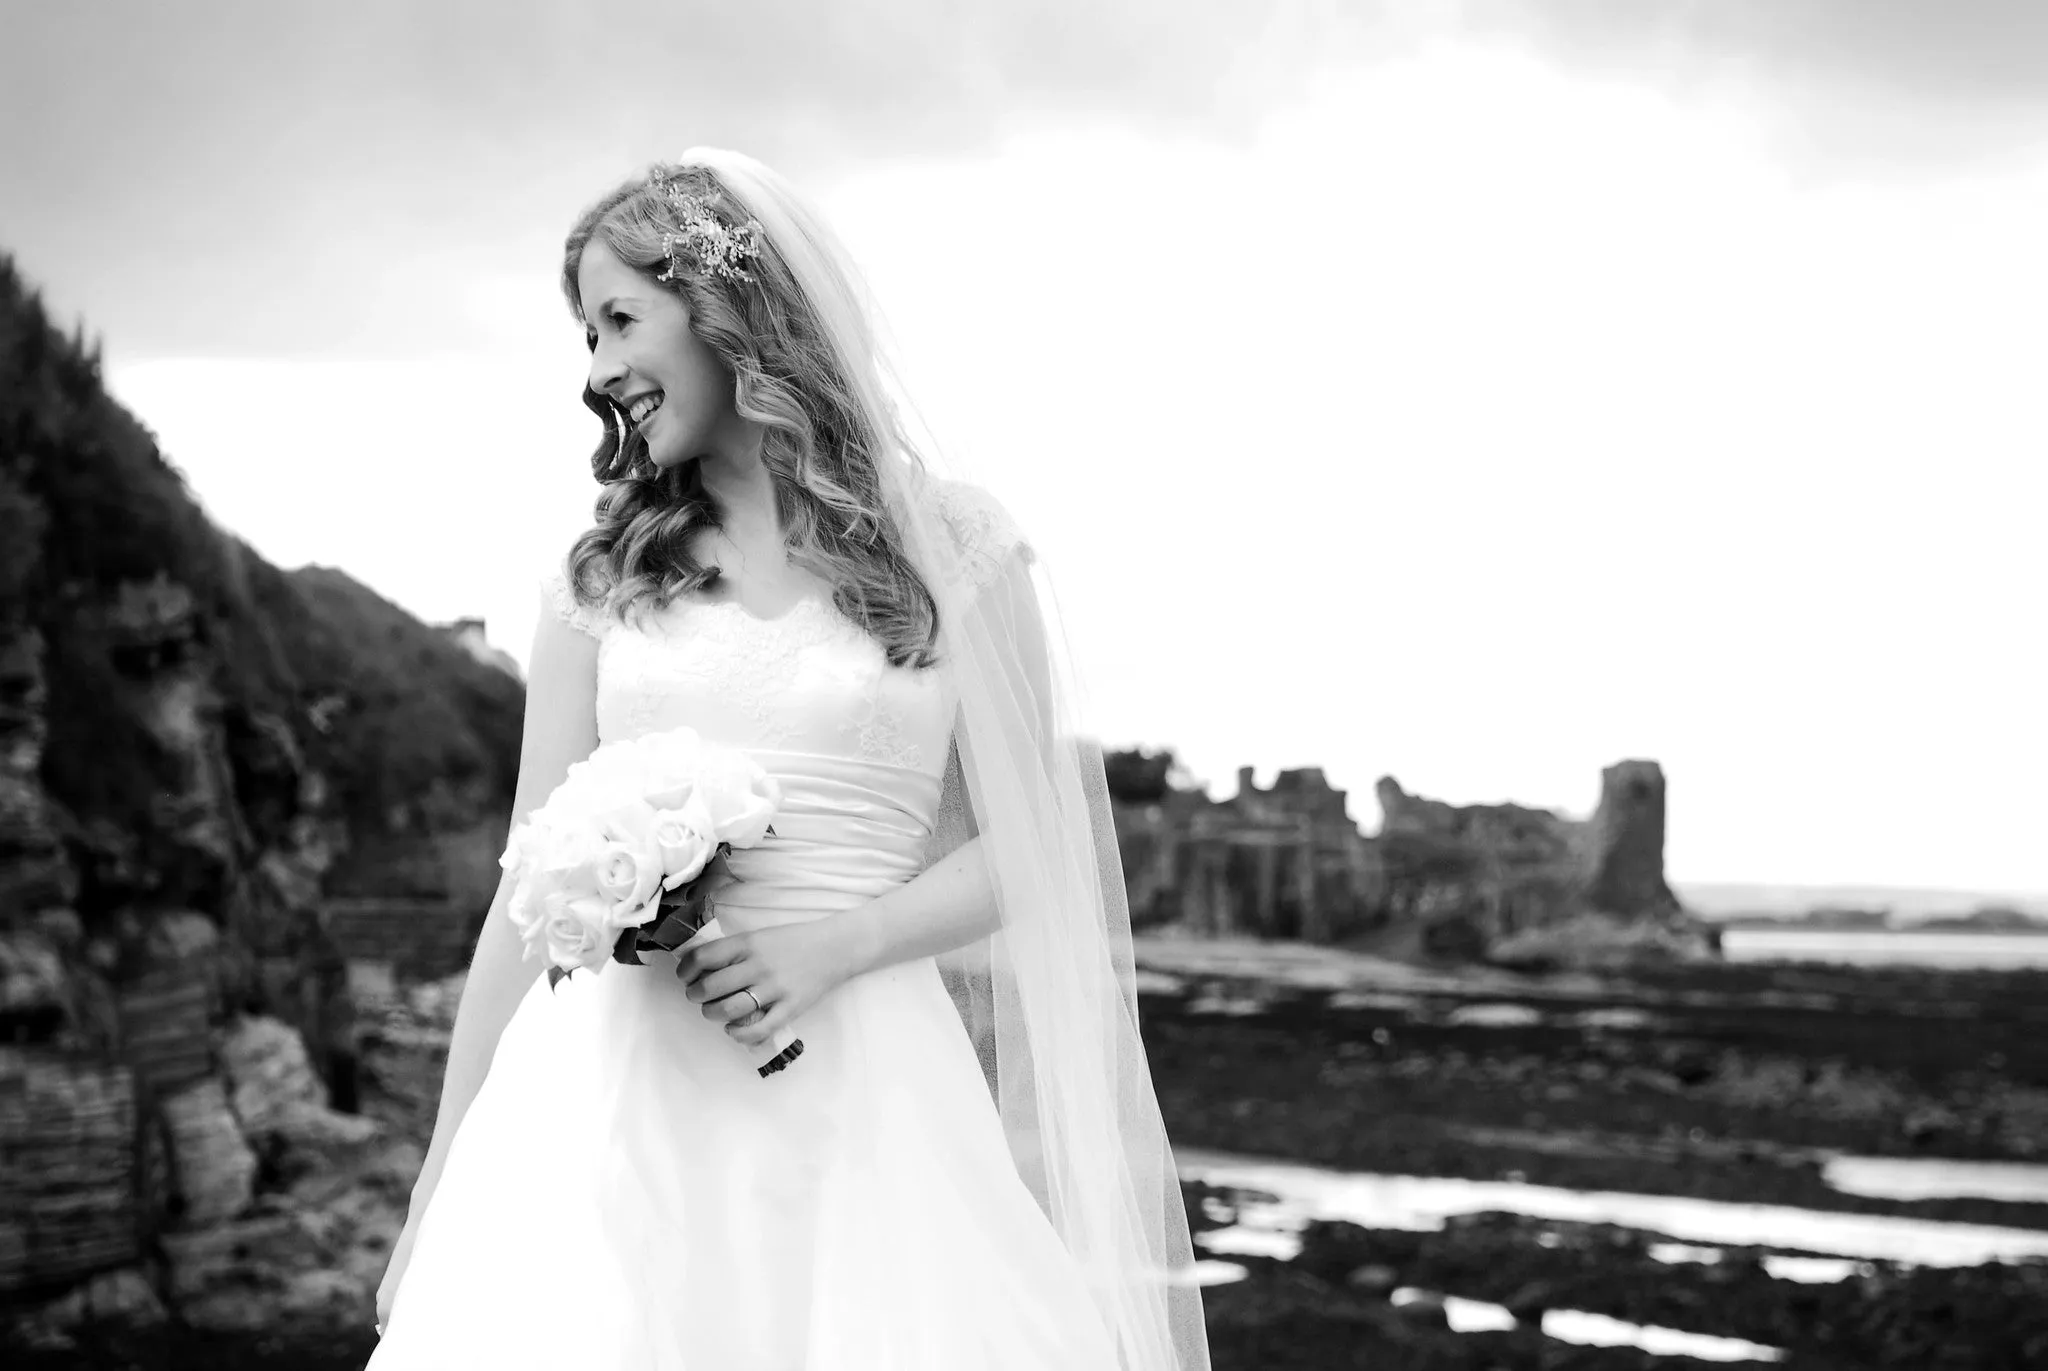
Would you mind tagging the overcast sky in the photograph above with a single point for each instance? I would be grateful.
(1478, 394)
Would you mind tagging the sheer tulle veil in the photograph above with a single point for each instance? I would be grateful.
(1049, 999)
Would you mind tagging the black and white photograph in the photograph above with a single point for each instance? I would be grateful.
(1023, 685)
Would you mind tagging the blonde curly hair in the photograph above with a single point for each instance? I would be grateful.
(821, 436)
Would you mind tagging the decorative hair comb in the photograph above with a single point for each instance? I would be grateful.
(702, 237)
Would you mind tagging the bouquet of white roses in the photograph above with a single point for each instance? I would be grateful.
(617, 861)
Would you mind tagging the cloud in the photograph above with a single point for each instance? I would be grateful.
(1848, 87)
(221, 178)
(1504, 423)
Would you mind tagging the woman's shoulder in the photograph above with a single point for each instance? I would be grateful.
(984, 532)
(558, 593)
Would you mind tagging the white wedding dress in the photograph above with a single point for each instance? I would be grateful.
(626, 1192)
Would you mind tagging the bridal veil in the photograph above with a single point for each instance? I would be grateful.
(1049, 999)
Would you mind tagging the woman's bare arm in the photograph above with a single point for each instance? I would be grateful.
(560, 730)
(953, 902)
(947, 906)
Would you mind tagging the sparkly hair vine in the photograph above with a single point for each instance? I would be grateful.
(702, 237)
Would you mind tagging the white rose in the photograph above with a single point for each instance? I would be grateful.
(686, 840)
(740, 797)
(566, 850)
(524, 912)
(576, 932)
(629, 879)
(527, 838)
(554, 856)
(627, 870)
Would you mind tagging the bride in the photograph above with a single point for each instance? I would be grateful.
(965, 1167)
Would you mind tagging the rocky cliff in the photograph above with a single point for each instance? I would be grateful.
(196, 749)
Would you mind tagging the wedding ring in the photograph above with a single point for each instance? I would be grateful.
(758, 1006)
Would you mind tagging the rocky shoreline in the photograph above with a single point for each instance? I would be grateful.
(1721, 1085)
(1726, 1085)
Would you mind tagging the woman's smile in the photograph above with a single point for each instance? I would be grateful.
(643, 407)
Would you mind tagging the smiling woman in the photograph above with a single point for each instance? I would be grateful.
(966, 1166)
(647, 360)
(723, 415)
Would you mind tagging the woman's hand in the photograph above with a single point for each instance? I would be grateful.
(788, 969)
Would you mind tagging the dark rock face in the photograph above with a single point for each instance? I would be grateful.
(72, 1167)
(196, 749)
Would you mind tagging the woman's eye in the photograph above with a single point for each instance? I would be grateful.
(620, 320)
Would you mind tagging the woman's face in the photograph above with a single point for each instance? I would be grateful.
(671, 385)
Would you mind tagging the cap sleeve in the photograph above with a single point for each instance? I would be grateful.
(558, 599)
(982, 529)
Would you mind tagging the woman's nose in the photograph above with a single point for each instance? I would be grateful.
(605, 372)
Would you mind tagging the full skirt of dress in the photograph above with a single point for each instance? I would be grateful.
(626, 1192)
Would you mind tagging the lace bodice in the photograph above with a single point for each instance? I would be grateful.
(809, 681)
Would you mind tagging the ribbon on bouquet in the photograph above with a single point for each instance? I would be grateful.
(680, 921)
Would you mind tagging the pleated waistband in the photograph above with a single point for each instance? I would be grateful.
(847, 830)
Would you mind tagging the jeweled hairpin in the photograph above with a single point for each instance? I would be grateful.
(703, 238)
